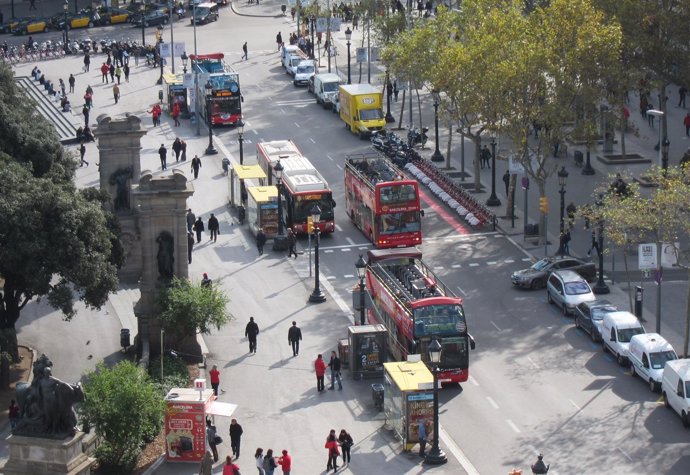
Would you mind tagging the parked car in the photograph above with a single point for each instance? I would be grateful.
(568, 289)
(590, 315)
(536, 275)
(205, 13)
(113, 16)
(156, 17)
(305, 71)
(31, 26)
(648, 353)
(10, 25)
(77, 20)
(675, 388)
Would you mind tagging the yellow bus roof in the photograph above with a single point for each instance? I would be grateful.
(245, 172)
(171, 78)
(410, 376)
(263, 194)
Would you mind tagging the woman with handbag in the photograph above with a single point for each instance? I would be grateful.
(213, 438)
(333, 452)
(346, 443)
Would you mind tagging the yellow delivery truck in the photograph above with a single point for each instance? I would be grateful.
(361, 108)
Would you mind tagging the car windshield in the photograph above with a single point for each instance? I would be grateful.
(577, 288)
(330, 87)
(305, 69)
(599, 312)
(625, 334)
(541, 265)
(658, 360)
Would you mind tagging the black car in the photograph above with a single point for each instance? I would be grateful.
(590, 315)
(156, 17)
(535, 276)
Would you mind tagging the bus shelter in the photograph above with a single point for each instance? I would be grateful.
(262, 210)
(237, 185)
(408, 400)
(176, 93)
(367, 350)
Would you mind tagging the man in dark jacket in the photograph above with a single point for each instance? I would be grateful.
(251, 331)
(196, 164)
(177, 148)
(213, 227)
(199, 228)
(235, 438)
(163, 153)
(294, 336)
(334, 364)
(190, 246)
(260, 241)
(292, 242)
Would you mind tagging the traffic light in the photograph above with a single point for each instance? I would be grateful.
(544, 204)
(310, 225)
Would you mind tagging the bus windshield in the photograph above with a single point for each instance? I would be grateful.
(303, 208)
(227, 105)
(394, 223)
(435, 320)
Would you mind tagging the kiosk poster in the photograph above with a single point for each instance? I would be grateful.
(420, 407)
(185, 431)
(370, 357)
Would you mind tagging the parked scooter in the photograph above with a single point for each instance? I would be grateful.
(414, 137)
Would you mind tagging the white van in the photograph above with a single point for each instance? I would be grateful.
(616, 331)
(648, 353)
(286, 52)
(325, 89)
(304, 72)
(675, 388)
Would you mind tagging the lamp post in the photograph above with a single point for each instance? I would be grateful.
(312, 27)
(664, 153)
(196, 74)
(171, 5)
(65, 7)
(562, 178)
(316, 296)
(389, 93)
(160, 53)
(600, 287)
(240, 139)
(142, 10)
(210, 150)
(361, 271)
(348, 36)
(438, 156)
(493, 199)
(435, 455)
(280, 241)
(184, 59)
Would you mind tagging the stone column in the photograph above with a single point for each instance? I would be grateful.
(162, 205)
(119, 146)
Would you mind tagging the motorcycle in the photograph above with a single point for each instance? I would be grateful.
(415, 137)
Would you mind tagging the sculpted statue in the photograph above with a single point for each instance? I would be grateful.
(45, 405)
(166, 255)
(120, 179)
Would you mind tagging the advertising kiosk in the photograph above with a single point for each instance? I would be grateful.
(176, 92)
(242, 176)
(367, 350)
(408, 399)
(185, 421)
(262, 210)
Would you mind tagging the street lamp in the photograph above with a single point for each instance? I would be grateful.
(142, 10)
(280, 241)
(160, 53)
(493, 199)
(65, 7)
(389, 93)
(664, 152)
(540, 468)
(316, 296)
(435, 455)
(240, 131)
(659, 114)
(361, 271)
(312, 27)
(438, 156)
(348, 36)
(196, 73)
(184, 59)
(600, 287)
(562, 178)
(210, 150)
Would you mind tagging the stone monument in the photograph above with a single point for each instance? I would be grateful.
(46, 439)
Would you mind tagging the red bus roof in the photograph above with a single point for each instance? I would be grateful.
(204, 57)
(435, 301)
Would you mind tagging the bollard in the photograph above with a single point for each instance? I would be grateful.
(638, 302)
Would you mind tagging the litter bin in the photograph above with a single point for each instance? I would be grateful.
(532, 229)
(124, 338)
(377, 395)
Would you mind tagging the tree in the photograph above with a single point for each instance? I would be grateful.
(125, 408)
(188, 307)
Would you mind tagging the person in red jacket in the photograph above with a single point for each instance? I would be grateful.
(320, 368)
(215, 379)
(285, 462)
(333, 451)
(104, 73)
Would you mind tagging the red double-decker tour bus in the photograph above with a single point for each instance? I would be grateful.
(225, 95)
(381, 202)
(417, 308)
(302, 185)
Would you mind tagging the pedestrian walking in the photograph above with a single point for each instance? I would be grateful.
(82, 152)
(346, 443)
(196, 164)
(506, 180)
(681, 96)
(484, 157)
(13, 413)
(155, 114)
(87, 62)
(320, 369)
(421, 432)
(212, 438)
(190, 246)
(62, 87)
(163, 153)
(125, 69)
(215, 379)
(294, 336)
(104, 73)
(85, 111)
(285, 462)
(190, 220)
(244, 49)
(184, 150)
(206, 282)
(564, 240)
(213, 227)
(260, 241)
(594, 245)
(176, 114)
(198, 228)
(686, 123)
(334, 364)
(332, 446)
(235, 438)
(292, 242)
(279, 40)
(111, 70)
(259, 459)
(116, 93)
(206, 467)
(71, 82)
(177, 148)
(118, 73)
(230, 468)
(396, 91)
(251, 331)
(269, 462)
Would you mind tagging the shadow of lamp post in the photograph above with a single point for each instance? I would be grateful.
(316, 296)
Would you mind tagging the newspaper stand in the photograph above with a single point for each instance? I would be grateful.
(367, 350)
(262, 210)
(242, 176)
(176, 92)
(408, 398)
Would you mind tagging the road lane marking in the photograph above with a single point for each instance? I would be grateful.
(348, 276)
(339, 167)
(513, 426)
(363, 248)
(462, 291)
(495, 326)
(491, 263)
(457, 452)
(312, 140)
(573, 403)
(438, 268)
(474, 264)
(492, 402)
(526, 259)
(536, 366)
(328, 251)
(323, 248)
(473, 381)
(297, 125)
(352, 243)
(345, 249)
(329, 157)
(456, 266)
(626, 455)
(338, 228)
(508, 261)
